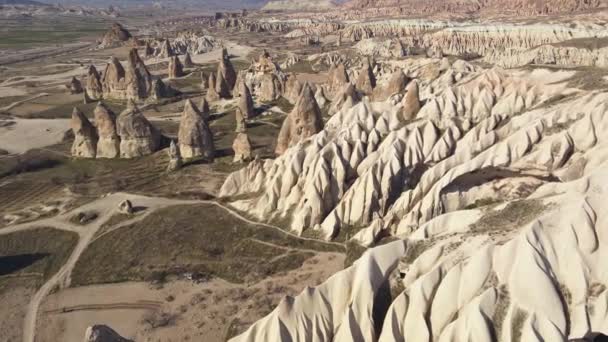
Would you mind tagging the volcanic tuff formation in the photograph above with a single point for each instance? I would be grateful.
(133, 83)
(108, 145)
(242, 147)
(93, 88)
(492, 176)
(116, 35)
(194, 135)
(85, 136)
(176, 69)
(137, 136)
(304, 121)
(226, 70)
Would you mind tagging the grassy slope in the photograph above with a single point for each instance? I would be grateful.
(40, 250)
(192, 238)
(32, 32)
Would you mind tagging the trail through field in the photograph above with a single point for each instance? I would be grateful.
(106, 207)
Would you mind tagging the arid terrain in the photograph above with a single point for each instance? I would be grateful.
(366, 170)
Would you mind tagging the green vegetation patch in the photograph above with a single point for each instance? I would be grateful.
(35, 31)
(353, 252)
(36, 251)
(514, 214)
(202, 238)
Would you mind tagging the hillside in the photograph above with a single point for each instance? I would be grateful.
(294, 5)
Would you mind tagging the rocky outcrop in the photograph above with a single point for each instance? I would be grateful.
(368, 152)
(493, 187)
(194, 135)
(176, 69)
(222, 87)
(292, 88)
(366, 80)
(75, 86)
(345, 99)
(175, 157)
(395, 85)
(204, 109)
(304, 121)
(265, 64)
(320, 97)
(480, 285)
(411, 102)
(561, 55)
(125, 207)
(102, 333)
(245, 106)
(337, 78)
(115, 36)
(85, 136)
(226, 70)
(193, 43)
(204, 81)
(93, 88)
(188, 63)
(212, 94)
(270, 88)
(138, 79)
(134, 83)
(387, 48)
(137, 135)
(148, 50)
(242, 148)
(113, 79)
(166, 50)
(108, 145)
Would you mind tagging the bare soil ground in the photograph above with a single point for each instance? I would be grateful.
(178, 309)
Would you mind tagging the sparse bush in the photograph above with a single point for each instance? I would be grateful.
(158, 319)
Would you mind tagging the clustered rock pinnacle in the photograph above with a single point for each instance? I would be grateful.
(133, 82)
(128, 136)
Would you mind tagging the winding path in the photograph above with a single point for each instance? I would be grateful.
(105, 207)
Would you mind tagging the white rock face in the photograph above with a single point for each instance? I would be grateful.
(474, 276)
(368, 165)
(492, 181)
(334, 308)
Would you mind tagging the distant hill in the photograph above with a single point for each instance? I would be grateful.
(528, 7)
(21, 2)
(298, 5)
